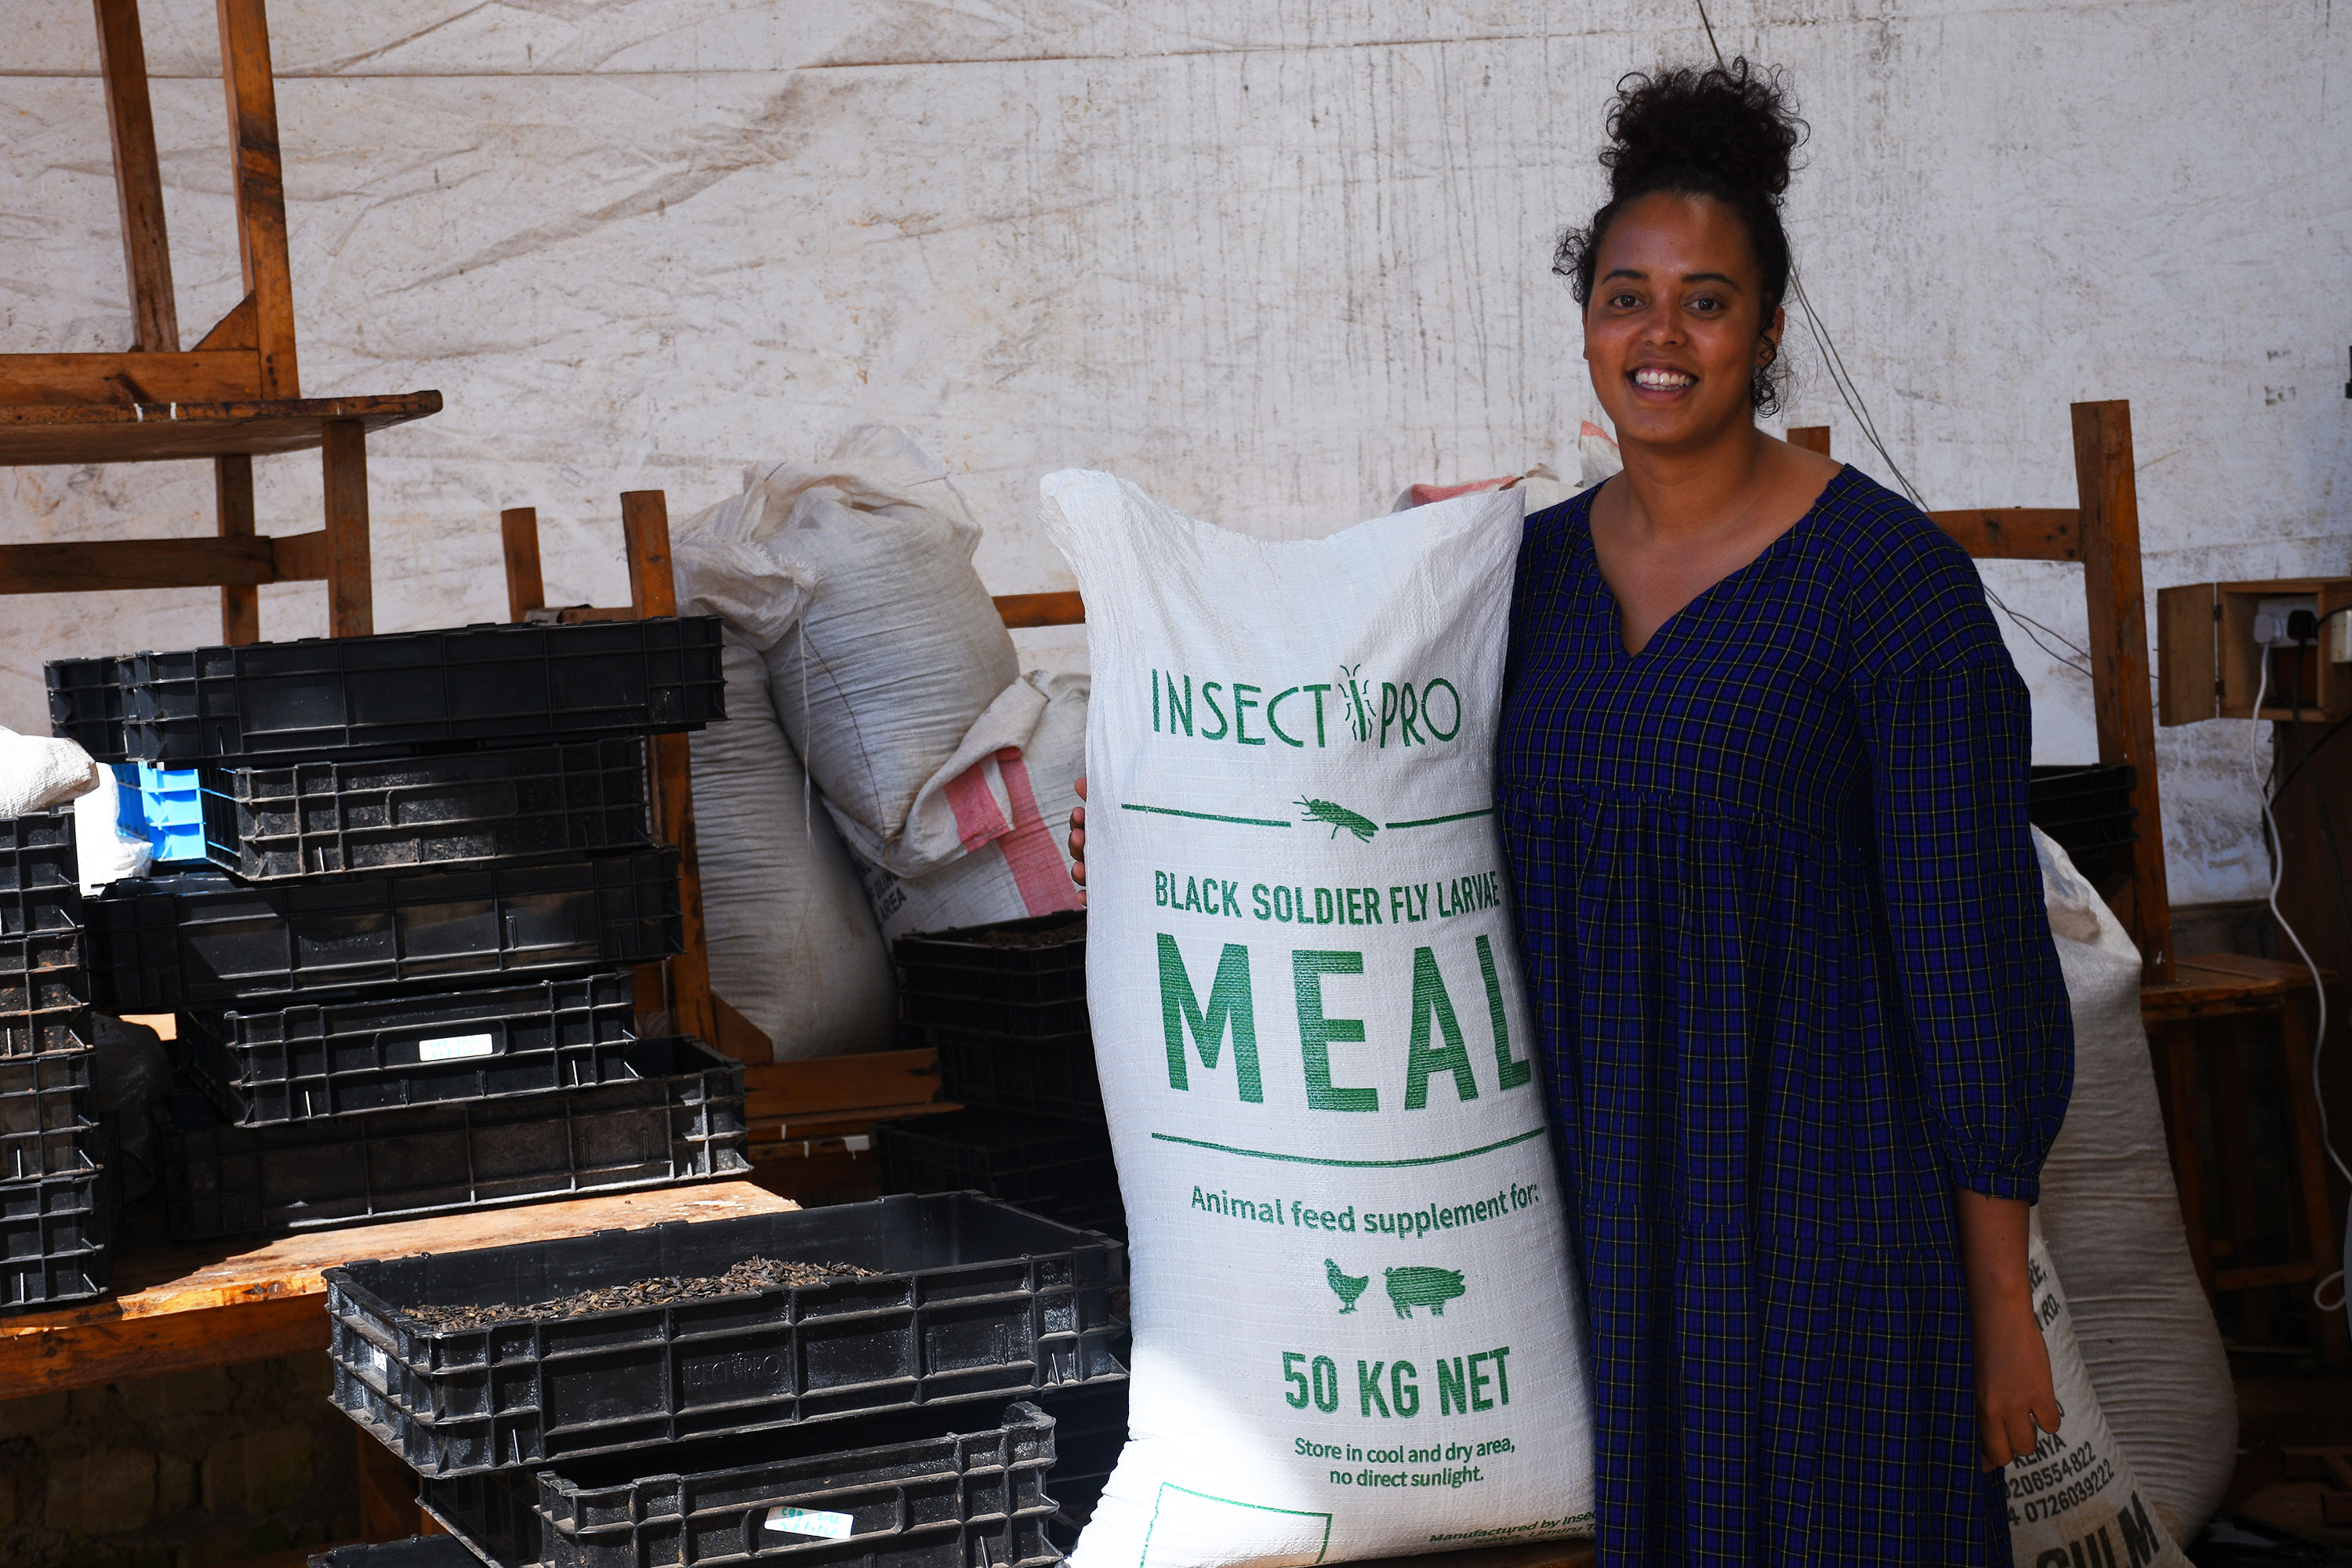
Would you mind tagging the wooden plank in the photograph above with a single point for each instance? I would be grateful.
(2233, 1167)
(351, 584)
(387, 1489)
(233, 513)
(1811, 437)
(137, 181)
(2261, 1278)
(739, 1037)
(120, 379)
(2188, 680)
(185, 1307)
(110, 566)
(2320, 1235)
(301, 557)
(518, 535)
(653, 591)
(234, 330)
(1065, 609)
(158, 432)
(844, 1124)
(2015, 533)
(258, 180)
(577, 615)
(828, 1085)
(2176, 1043)
(2103, 485)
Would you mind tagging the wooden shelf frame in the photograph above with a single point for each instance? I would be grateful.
(235, 394)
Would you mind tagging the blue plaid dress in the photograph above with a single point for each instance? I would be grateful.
(1793, 982)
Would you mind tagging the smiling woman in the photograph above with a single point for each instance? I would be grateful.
(1762, 788)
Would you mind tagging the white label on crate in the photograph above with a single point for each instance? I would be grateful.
(812, 1521)
(455, 1047)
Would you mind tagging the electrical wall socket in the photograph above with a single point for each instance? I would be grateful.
(2271, 617)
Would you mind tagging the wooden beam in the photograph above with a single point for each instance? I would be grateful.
(2015, 533)
(258, 179)
(300, 557)
(653, 591)
(829, 1085)
(1811, 437)
(2188, 674)
(2109, 502)
(208, 375)
(351, 588)
(113, 565)
(233, 511)
(519, 533)
(234, 330)
(1065, 609)
(137, 181)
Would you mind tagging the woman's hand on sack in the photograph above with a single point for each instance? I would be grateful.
(2015, 1393)
(1078, 843)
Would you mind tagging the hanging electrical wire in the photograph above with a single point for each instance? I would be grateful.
(2077, 657)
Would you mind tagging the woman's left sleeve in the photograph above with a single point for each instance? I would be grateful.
(1986, 1003)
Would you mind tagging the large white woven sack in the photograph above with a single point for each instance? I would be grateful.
(1357, 1323)
(2076, 1499)
(890, 651)
(2113, 1218)
(793, 943)
(1007, 796)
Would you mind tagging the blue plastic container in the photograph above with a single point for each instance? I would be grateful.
(162, 805)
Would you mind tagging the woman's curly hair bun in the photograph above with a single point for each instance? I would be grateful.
(1732, 125)
(1728, 131)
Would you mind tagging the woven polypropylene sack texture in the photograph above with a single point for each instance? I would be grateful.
(2112, 1215)
(1315, 1051)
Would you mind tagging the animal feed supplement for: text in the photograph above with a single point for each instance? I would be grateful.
(1356, 1330)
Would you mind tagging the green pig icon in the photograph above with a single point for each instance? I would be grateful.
(1430, 1287)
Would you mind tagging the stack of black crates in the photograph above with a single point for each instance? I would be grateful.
(58, 1181)
(1004, 1005)
(667, 1397)
(402, 965)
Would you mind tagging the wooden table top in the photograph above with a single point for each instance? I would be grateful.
(179, 1306)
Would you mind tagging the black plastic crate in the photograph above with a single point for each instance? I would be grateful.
(397, 692)
(45, 1126)
(971, 1300)
(57, 1237)
(681, 1121)
(2085, 809)
(1027, 962)
(1015, 1020)
(199, 940)
(41, 881)
(416, 1551)
(1062, 1170)
(86, 705)
(44, 994)
(338, 1059)
(871, 1498)
(306, 819)
(1050, 1076)
(1089, 1433)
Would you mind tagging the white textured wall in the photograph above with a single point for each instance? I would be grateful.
(1272, 261)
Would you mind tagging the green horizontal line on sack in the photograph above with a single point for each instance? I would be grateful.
(1204, 815)
(1318, 1159)
(1457, 816)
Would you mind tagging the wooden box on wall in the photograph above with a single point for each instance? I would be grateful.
(2208, 666)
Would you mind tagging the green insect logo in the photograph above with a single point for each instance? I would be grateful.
(1338, 817)
(1359, 702)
